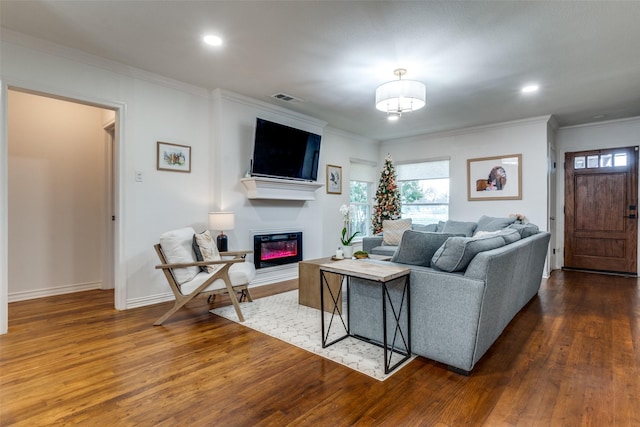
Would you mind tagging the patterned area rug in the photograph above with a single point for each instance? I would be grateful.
(281, 316)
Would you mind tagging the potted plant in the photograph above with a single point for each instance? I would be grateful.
(346, 237)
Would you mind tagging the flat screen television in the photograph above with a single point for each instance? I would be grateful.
(281, 151)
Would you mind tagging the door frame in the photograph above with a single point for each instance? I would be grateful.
(119, 279)
(563, 186)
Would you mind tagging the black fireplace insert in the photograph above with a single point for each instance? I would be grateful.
(277, 249)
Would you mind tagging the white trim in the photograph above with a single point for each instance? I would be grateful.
(120, 282)
(52, 291)
(4, 216)
(50, 48)
(264, 106)
(149, 300)
(168, 296)
(467, 130)
(604, 122)
(357, 161)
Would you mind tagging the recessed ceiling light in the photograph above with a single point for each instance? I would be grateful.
(530, 88)
(213, 40)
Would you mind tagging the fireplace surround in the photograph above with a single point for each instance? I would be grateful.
(275, 249)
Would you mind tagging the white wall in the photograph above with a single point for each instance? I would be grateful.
(612, 134)
(56, 196)
(526, 137)
(319, 219)
(150, 109)
(217, 128)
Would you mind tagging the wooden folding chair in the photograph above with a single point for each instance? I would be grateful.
(210, 284)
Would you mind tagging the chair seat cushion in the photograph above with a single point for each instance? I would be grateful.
(240, 273)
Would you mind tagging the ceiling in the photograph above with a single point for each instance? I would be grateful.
(473, 56)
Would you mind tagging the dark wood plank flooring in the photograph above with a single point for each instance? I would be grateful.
(570, 358)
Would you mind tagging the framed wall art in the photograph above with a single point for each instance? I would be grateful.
(495, 178)
(334, 179)
(173, 157)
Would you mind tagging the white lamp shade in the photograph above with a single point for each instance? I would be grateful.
(221, 221)
(401, 96)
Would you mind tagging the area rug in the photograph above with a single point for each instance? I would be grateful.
(280, 316)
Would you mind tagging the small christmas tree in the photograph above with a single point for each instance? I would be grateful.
(387, 205)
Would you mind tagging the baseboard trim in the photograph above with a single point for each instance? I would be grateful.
(282, 276)
(56, 290)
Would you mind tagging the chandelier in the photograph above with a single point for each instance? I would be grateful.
(400, 96)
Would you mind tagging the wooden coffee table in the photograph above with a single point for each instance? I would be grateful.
(309, 282)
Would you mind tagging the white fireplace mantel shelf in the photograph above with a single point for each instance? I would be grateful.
(279, 189)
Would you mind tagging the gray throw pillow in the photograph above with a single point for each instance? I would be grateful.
(525, 230)
(509, 235)
(459, 227)
(418, 247)
(457, 252)
(489, 223)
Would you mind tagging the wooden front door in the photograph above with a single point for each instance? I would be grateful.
(601, 210)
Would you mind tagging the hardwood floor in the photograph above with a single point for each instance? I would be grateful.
(571, 357)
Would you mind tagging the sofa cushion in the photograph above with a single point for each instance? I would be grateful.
(392, 230)
(422, 227)
(383, 250)
(176, 245)
(489, 223)
(417, 247)
(459, 227)
(205, 249)
(457, 252)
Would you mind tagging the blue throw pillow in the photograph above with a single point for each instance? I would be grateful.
(418, 247)
(489, 223)
(457, 252)
(525, 230)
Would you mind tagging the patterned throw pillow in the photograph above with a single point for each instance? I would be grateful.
(206, 250)
(392, 230)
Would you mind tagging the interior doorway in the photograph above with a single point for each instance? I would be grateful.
(601, 210)
(61, 187)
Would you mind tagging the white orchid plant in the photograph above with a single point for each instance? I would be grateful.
(346, 238)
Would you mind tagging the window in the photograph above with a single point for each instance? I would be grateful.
(361, 202)
(605, 161)
(424, 191)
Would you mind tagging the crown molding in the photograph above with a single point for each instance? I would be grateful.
(472, 129)
(267, 107)
(76, 55)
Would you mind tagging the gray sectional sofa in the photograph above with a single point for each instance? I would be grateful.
(464, 289)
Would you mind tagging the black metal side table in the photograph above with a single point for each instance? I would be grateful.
(377, 273)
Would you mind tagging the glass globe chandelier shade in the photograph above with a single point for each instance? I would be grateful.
(400, 96)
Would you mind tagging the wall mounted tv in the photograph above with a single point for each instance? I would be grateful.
(281, 151)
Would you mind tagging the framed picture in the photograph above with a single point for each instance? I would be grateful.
(173, 157)
(495, 178)
(334, 179)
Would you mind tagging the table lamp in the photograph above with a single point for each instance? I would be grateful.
(221, 221)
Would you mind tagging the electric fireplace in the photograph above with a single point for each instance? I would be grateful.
(277, 249)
